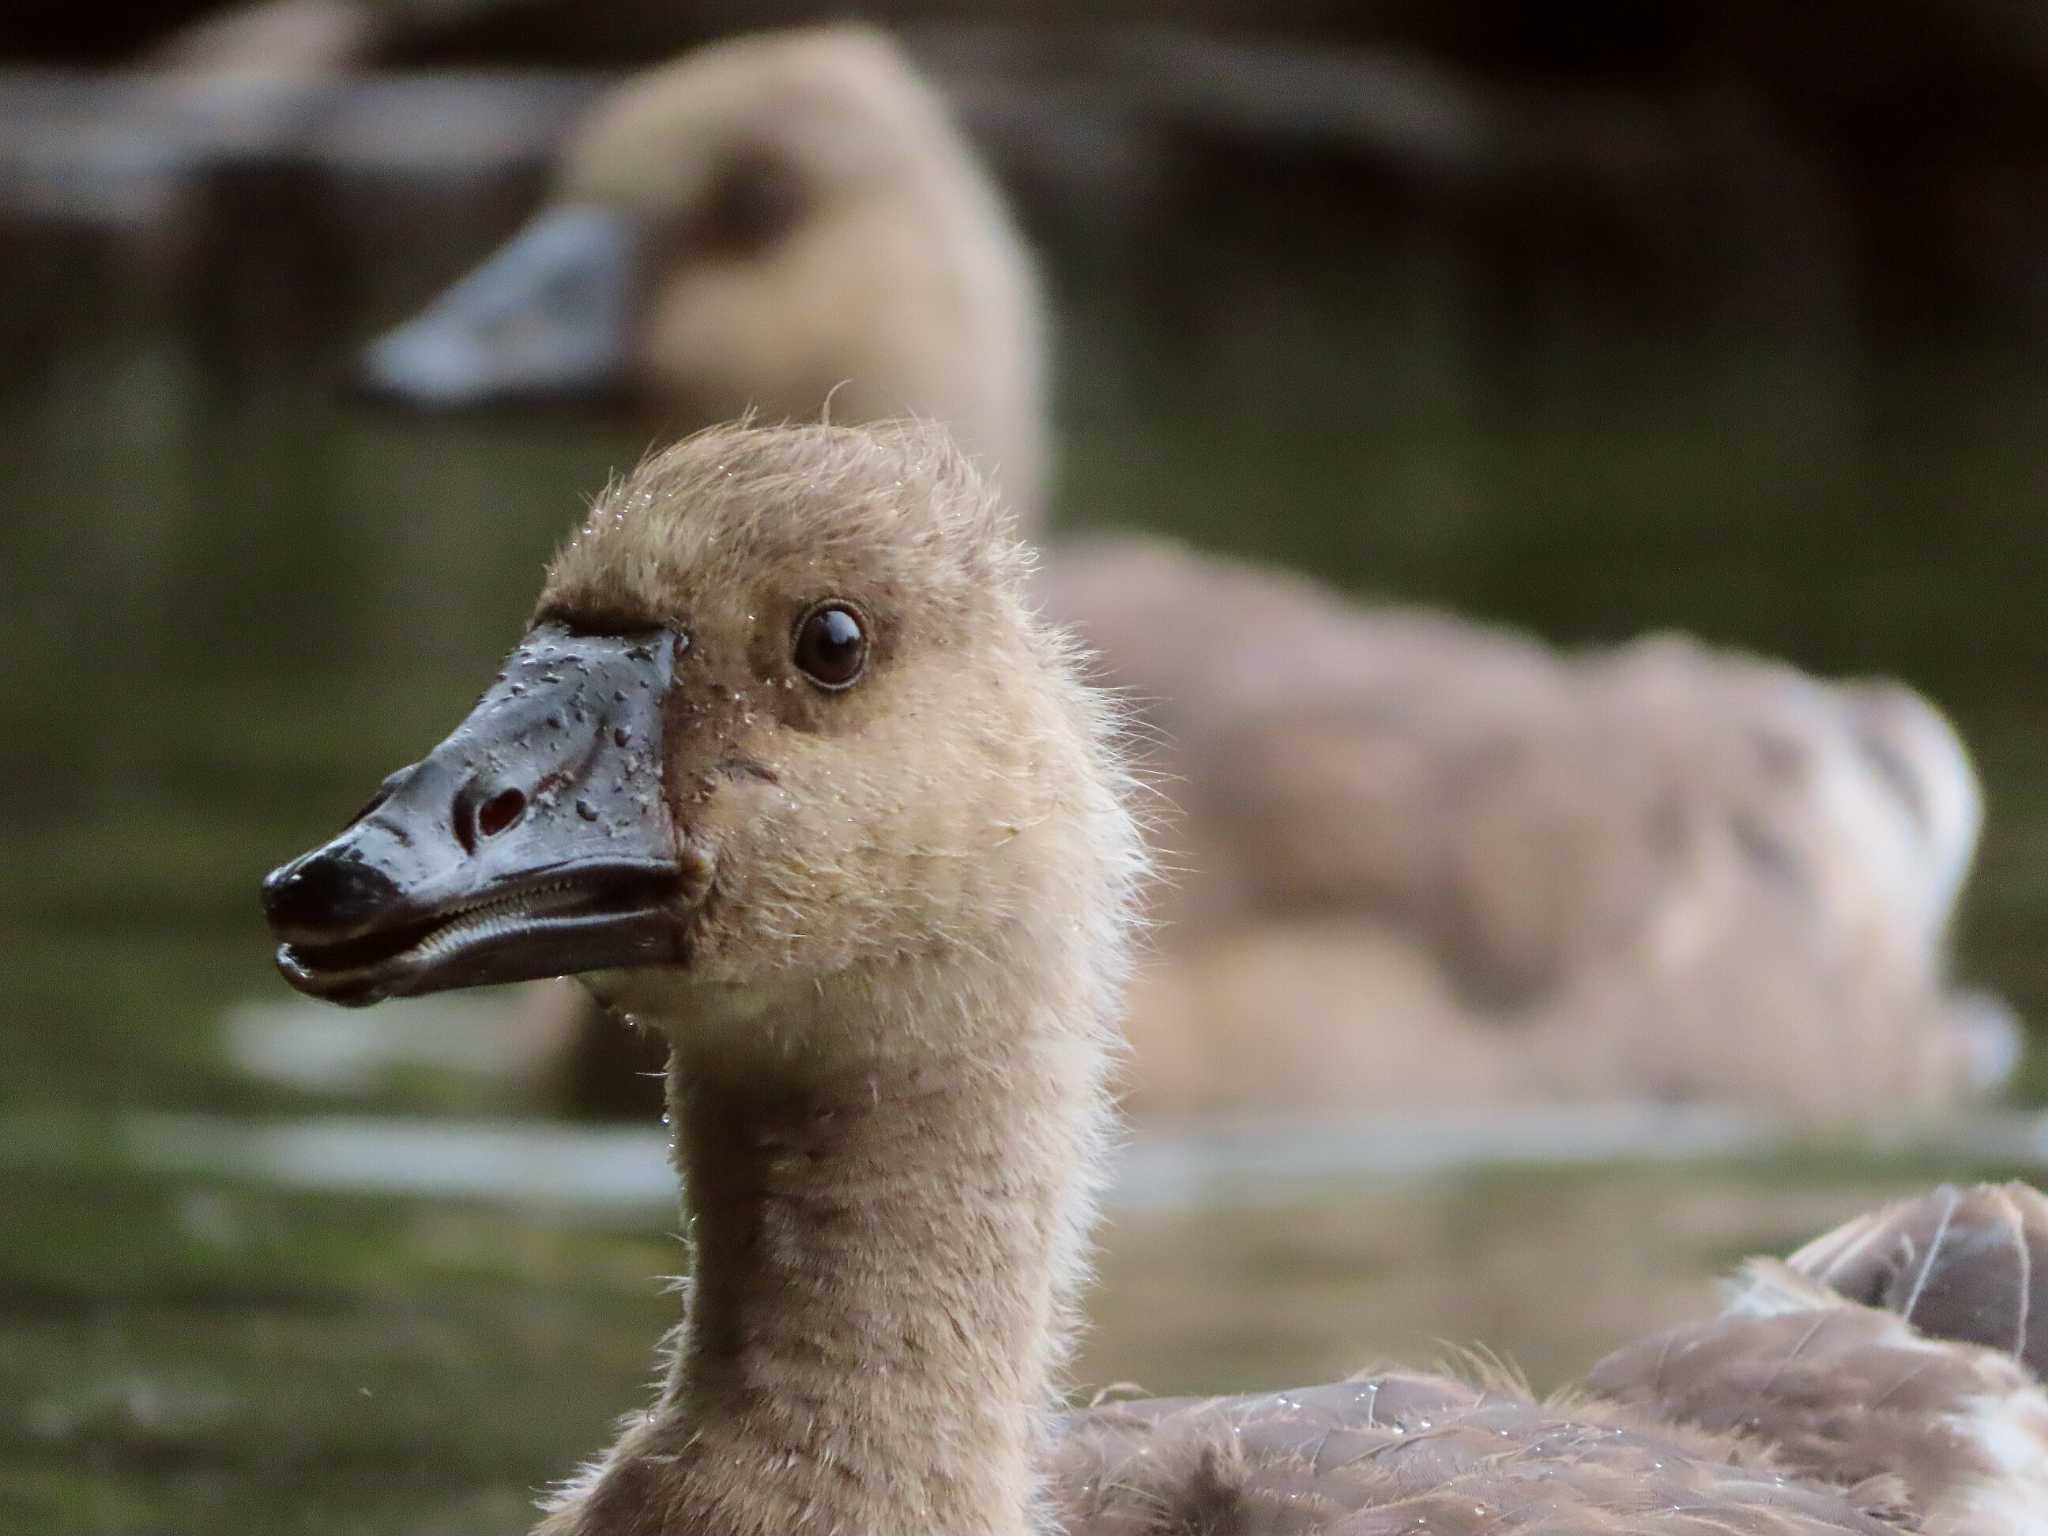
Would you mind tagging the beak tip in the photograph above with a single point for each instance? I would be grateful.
(331, 892)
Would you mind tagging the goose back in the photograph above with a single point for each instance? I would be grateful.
(1390, 1454)
(1856, 1395)
(1906, 1404)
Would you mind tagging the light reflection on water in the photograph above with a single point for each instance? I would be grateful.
(1237, 1164)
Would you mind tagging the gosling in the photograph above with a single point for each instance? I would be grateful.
(788, 769)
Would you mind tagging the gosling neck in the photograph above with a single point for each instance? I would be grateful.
(885, 1252)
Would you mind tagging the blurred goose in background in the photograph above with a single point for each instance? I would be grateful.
(836, 813)
(1523, 875)
(1418, 860)
(768, 223)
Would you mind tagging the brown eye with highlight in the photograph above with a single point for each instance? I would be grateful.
(831, 646)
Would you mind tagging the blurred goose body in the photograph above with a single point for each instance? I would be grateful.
(1662, 871)
(1431, 862)
(789, 769)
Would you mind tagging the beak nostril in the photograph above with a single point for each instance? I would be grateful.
(499, 813)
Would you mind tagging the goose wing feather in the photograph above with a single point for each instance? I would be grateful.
(1852, 1395)
(1419, 1454)
(1956, 1264)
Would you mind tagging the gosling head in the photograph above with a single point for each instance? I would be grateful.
(767, 223)
(783, 715)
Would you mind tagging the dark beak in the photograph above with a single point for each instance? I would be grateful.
(550, 314)
(535, 841)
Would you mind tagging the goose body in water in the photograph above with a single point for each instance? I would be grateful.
(789, 769)
(1415, 859)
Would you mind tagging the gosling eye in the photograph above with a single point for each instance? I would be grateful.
(831, 645)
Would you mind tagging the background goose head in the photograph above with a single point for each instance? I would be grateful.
(767, 223)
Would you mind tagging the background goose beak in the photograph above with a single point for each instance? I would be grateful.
(550, 313)
(535, 841)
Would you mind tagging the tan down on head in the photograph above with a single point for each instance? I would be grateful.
(790, 770)
(1417, 860)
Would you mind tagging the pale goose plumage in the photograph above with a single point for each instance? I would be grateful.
(1565, 875)
(788, 769)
